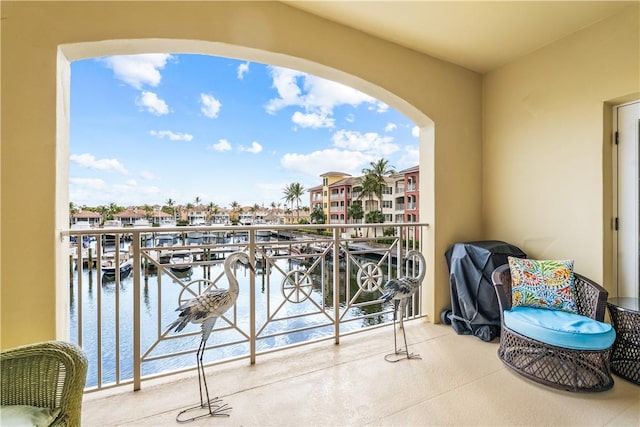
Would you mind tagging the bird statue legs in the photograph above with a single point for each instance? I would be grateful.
(214, 407)
(398, 353)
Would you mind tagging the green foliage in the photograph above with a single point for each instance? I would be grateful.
(318, 216)
(355, 211)
(374, 217)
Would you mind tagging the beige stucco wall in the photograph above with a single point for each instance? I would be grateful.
(444, 99)
(547, 147)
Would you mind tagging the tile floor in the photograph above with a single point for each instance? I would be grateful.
(459, 381)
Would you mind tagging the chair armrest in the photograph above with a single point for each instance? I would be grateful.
(591, 298)
(501, 278)
(49, 374)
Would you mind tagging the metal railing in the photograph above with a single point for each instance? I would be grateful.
(311, 283)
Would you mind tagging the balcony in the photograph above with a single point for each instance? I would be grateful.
(351, 384)
(306, 288)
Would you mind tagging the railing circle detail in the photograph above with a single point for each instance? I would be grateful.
(370, 277)
(297, 286)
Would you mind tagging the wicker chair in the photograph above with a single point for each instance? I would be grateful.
(49, 374)
(558, 367)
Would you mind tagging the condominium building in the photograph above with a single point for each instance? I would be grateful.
(339, 191)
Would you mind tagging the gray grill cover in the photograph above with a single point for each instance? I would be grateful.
(474, 305)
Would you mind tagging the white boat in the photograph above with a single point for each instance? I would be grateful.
(109, 265)
(181, 260)
(263, 235)
(195, 237)
(164, 241)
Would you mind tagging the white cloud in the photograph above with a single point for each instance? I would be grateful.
(138, 70)
(318, 162)
(350, 118)
(312, 120)
(89, 161)
(370, 142)
(390, 127)
(173, 136)
(327, 94)
(150, 102)
(150, 176)
(415, 132)
(381, 107)
(285, 82)
(221, 145)
(313, 94)
(242, 70)
(255, 148)
(210, 106)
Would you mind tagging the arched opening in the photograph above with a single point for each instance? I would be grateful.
(70, 53)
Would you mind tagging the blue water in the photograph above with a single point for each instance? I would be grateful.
(160, 296)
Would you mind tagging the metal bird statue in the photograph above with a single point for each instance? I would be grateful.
(399, 291)
(205, 309)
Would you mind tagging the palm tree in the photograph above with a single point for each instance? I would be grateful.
(72, 211)
(355, 211)
(374, 217)
(170, 202)
(318, 216)
(197, 200)
(373, 181)
(254, 209)
(369, 187)
(235, 208)
(293, 193)
(147, 211)
(380, 169)
(212, 209)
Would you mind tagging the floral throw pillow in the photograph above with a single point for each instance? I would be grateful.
(542, 283)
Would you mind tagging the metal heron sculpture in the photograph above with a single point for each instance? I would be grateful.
(399, 291)
(205, 309)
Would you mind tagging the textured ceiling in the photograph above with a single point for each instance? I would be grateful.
(478, 35)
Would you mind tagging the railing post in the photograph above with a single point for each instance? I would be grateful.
(336, 283)
(79, 267)
(137, 355)
(252, 297)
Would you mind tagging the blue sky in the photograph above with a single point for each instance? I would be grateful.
(146, 128)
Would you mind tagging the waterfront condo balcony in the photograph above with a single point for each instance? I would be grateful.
(308, 342)
(302, 284)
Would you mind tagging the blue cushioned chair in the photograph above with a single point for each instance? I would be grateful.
(564, 350)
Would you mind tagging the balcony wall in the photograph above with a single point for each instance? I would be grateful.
(549, 144)
(39, 40)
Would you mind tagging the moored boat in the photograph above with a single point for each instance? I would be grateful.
(181, 260)
(109, 265)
